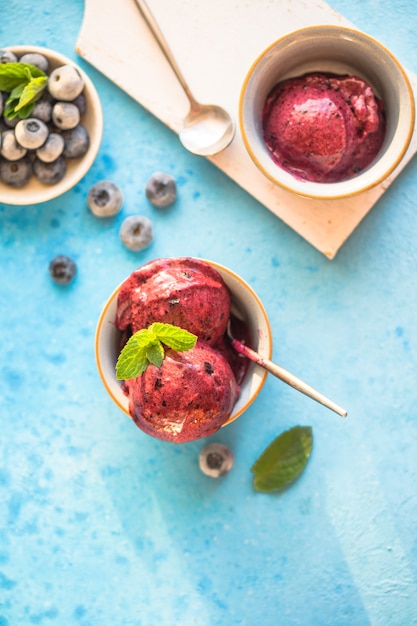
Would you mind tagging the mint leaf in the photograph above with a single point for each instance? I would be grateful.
(32, 92)
(145, 347)
(13, 74)
(155, 353)
(132, 361)
(25, 84)
(283, 460)
(173, 336)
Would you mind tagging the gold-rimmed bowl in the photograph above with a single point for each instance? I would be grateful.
(337, 50)
(246, 305)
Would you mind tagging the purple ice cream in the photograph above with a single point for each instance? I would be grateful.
(323, 128)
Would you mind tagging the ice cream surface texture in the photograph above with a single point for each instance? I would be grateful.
(193, 393)
(182, 291)
(322, 127)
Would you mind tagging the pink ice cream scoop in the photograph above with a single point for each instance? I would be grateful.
(322, 127)
(182, 291)
(190, 396)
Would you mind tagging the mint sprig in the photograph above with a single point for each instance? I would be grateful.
(25, 84)
(145, 347)
(283, 460)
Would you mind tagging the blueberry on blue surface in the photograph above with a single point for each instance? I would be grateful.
(65, 83)
(161, 189)
(136, 232)
(62, 269)
(76, 141)
(15, 173)
(215, 460)
(50, 173)
(31, 133)
(105, 199)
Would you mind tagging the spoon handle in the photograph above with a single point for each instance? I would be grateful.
(287, 377)
(160, 39)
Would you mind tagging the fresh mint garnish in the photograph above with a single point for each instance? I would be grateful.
(283, 460)
(24, 83)
(145, 347)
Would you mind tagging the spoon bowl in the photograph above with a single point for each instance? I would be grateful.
(207, 129)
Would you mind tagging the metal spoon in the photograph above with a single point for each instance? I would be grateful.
(207, 129)
(283, 374)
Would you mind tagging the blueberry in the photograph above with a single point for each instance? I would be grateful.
(10, 149)
(51, 149)
(43, 108)
(50, 173)
(65, 115)
(6, 56)
(105, 199)
(161, 189)
(62, 269)
(136, 232)
(36, 59)
(31, 133)
(65, 83)
(76, 141)
(215, 460)
(15, 173)
(81, 103)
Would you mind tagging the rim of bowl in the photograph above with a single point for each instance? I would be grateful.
(43, 193)
(346, 188)
(222, 269)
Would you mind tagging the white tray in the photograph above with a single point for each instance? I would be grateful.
(215, 42)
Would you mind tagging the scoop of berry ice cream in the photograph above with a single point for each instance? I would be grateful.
(181, 291)
(190, 396)
(323, 127)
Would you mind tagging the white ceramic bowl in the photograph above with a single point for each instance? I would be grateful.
(245, 304)
(337, 50)
(34, 191)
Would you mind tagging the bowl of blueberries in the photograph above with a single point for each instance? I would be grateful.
(51, 124)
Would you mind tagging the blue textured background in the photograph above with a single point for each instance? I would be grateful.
(101, 525)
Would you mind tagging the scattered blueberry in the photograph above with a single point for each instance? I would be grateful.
(215, 460)
(62, 269)
(76, 141)
(65, 83)
(50, 173)
(136, 232)
(161, 189)
(31, 133)
(15, 173)
(105, 199)
(36, 59)
(65, 115)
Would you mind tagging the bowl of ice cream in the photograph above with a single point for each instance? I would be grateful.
(196, 392)
(45, 151)
(326, 112)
